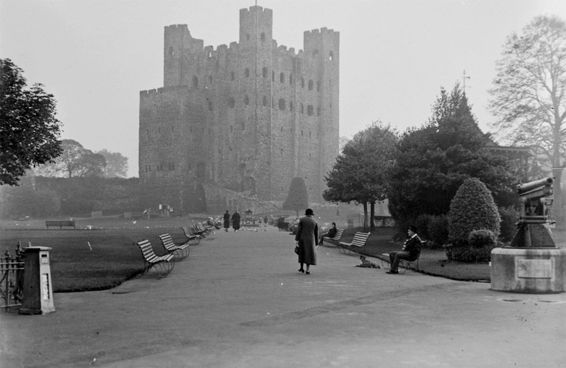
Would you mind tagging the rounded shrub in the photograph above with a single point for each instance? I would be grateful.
(472, 208)
(481, 239)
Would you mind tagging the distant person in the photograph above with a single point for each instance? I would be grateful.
(307, 238)
(226, 220)
(331, 233)
(265, 220)
(236, 221)
(411, 250)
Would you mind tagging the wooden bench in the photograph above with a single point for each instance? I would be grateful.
(162, 264)
(60, 223)
(334, 240)
(192, 239)
(178, 250)
(357, 242)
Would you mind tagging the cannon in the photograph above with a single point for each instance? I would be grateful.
(532, 228)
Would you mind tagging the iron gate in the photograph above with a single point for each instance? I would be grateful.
(11, 279)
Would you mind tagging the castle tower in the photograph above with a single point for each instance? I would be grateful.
(248, 117)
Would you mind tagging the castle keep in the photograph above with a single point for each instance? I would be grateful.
(247, 117)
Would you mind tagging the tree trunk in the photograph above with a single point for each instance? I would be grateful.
(365, 216)
(372, 217)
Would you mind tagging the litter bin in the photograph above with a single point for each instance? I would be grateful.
(38, 289)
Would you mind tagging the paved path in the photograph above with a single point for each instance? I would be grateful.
(238, 301)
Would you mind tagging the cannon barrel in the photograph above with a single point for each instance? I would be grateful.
(523, 188)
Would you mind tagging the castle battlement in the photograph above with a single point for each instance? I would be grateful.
(158, 91)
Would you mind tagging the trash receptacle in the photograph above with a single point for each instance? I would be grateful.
(38, 289)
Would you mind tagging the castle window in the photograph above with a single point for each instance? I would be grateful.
(310, 110)
(195, 81)
(311, 84)
(302, 82)
(281, 104)
(290, 105)
(247, 72)
(247, 36)
(232, 76)
(264, 100)
(262, 36)
(246, 100)
(330, 56)
(231, 129)
(210, 79)
(302, 133)
(209, 105)
(281, 129)
(290, 78)
(302, 108)
(318, 86)
(282, 78)
(264, 72)
(281, 151)
(273, 76)
(171, 51)
(231, 102)
(310, 135)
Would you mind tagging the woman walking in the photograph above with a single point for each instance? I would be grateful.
(307, 238)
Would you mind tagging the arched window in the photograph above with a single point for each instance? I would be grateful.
(264, 100)
(246, 100)
(195, 81)
(290, 105)
(247, 72)
(282, 78)
(231, 102)
(311, 84)
(209, 105)
(302, 108)
(281, 104)
(262, 36)
(264, 72)
(302, 82)
(310, 110)
(290, 78)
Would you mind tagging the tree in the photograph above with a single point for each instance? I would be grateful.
(29, 130)
(433, 161)
(116, 164)
(75, 161)
(361, 172)
(529, 91)
(298, 197)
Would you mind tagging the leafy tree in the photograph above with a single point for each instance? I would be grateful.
(433, 161)
(75, 161)
(116, 164)
(298, 197)
(529, 91)
(471, 209)
(361, 171)
(29, 130)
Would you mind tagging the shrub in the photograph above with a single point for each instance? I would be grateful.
(438, 230)
(472, 208)
(509, 217)
(481, 239)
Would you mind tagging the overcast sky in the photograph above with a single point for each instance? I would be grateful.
(96, 55)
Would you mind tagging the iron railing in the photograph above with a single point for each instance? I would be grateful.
(11, 279)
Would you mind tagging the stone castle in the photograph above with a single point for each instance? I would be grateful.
(247, 117)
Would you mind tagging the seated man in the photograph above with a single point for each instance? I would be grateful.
(410, 252)
(331, 233)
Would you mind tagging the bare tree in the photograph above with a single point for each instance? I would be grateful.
(529, 91)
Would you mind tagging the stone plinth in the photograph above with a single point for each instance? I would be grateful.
(528, 270)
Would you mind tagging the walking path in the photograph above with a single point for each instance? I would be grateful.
(238, 301)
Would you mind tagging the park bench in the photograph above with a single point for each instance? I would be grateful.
(192, 239)
(178, 250)
(334, 240)
(60, 223)
(356, 244)
(162, 264)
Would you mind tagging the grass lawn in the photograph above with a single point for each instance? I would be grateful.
(432, 261)
(112, 257)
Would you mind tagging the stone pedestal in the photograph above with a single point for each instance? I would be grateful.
(528, 270)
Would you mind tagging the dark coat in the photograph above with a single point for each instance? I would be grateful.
(307, 236)
(226, 220)
(236, 220)
(413, 246)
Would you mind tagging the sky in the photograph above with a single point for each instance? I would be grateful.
(95, 56)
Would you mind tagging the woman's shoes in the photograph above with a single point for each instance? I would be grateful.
(308, 273)
(301, 270)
